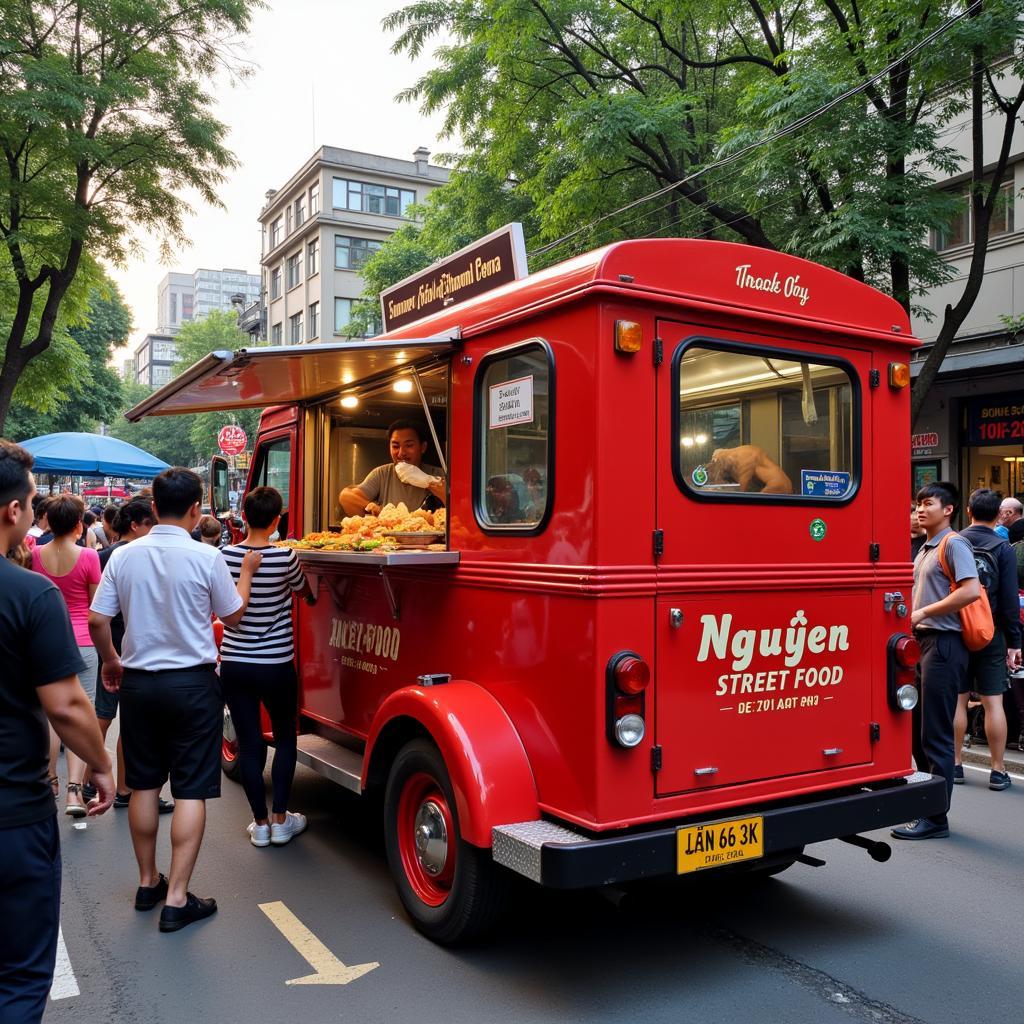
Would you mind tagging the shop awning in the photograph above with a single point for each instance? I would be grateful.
(254, 378)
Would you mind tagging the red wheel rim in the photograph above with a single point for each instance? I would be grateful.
(426, 838)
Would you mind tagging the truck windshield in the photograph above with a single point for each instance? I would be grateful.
(755, 422)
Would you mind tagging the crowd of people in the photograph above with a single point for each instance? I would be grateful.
(951, 572)
(115, 617)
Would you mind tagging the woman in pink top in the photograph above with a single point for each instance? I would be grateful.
(76, 573)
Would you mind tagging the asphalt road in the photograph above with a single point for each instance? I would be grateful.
(933, 935)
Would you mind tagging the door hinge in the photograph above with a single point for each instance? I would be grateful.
(659, 543)
(656, 758)
(874, 551)
(876, 732)
(875, 378)
(659, 351)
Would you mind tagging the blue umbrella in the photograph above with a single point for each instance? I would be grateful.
(91, 455)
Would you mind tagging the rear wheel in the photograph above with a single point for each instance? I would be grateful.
(451, 889)
(229, 763)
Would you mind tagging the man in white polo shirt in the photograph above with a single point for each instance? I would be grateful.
(168, 588)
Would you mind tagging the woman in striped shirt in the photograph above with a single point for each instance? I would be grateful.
(257, 667)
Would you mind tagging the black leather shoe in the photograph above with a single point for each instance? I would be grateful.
(148, 896)
(923, 828)
(195, 909)
(164, 806)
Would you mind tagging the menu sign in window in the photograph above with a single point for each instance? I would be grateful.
(994, 419)
(511, 402)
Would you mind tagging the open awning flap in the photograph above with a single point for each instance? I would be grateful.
(254, 378)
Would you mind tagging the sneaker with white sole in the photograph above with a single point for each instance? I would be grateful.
(259, 835)
(293, 824)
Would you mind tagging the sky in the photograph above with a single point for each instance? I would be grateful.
(323, 76)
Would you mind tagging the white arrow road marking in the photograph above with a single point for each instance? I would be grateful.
(327, 968)
(64, 984)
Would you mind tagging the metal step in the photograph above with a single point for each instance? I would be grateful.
(333, 761)
(519, 846)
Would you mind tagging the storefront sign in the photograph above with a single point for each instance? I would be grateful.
(994, 419)
(924, 442)
(824, 483)
(492, 261)
(511, 402)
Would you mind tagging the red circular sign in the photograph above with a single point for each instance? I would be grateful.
(232, 440)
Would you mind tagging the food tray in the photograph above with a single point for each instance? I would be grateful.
(415, 539)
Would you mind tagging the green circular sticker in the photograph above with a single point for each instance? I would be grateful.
(817, 529)
(699, 476)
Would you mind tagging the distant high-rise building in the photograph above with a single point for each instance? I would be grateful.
(182, 298)
(174, 302)
(154, 360)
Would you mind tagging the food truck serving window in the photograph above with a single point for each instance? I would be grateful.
(513, 489)
(756, 423)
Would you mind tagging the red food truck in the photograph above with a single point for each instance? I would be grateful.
(666, 629)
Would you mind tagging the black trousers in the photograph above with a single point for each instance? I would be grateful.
(941, 670)
(29, 918)
(246, 687)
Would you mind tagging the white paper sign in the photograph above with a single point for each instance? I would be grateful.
(511, 402)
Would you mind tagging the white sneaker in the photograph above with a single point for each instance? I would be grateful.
(259, 835)
(293, 824)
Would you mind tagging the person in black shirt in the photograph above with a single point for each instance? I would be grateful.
(39, 680)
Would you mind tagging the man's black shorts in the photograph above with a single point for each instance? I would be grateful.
(986, 670)
(171, 725)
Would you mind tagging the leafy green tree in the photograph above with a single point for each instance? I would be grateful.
(166, 437)
(92, 395)
(579, 107)
(105, 122)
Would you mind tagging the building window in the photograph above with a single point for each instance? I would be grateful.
(352, 253)
(342, 314)
(313, 258)
(276, 233)
(295, 329)
(314, 320)
(293, 270)
(288, 220)
(300, 210)
(314, 200)
(366, 198)
(275, 334)
(275, 283)
(959, 229)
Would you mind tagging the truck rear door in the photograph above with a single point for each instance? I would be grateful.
(764, 578)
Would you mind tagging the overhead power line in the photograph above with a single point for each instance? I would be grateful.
(793, 126)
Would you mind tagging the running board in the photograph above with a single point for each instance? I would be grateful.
(332, 761)
(518, 847)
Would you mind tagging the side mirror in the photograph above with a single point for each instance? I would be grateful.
(219, 502)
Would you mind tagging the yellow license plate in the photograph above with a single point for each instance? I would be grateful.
(723, 842)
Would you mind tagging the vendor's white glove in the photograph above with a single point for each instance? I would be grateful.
(414, 476)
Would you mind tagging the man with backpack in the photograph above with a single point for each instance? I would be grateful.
(935, 620)
(987, 669)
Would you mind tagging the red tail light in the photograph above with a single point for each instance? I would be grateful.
(631, 674)
(907, 651)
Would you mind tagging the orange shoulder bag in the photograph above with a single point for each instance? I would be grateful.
(976, 618)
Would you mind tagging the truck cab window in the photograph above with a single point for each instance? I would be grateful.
(754, 422)
(513, 460)
(274, 469)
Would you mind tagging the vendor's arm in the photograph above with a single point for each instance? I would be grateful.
(438, 490)
(354, 501)
(364, 497)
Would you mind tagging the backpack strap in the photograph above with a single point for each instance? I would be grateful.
(941, 552)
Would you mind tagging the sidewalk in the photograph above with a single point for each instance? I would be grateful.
(977, 753)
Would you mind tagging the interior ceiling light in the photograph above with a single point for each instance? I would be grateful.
(350, 402)
(403, 386)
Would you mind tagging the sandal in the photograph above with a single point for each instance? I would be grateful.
(54, 784)
(75, 810)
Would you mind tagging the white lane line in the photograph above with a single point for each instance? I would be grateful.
(65, 985)
(982, 768)
(327, 968)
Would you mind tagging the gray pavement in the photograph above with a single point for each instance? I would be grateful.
(929, 936)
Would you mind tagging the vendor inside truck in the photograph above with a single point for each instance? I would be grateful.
(404, 479)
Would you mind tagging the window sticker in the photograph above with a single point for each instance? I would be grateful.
(818, 483)
(511, 402)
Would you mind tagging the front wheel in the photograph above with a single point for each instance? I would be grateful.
(451, 889)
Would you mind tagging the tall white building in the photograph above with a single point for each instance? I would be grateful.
(182, 298)
(322, 225)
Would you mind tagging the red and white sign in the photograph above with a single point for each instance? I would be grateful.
(232, 440)
(920, 441)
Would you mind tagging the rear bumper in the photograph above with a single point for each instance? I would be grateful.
(563, 859)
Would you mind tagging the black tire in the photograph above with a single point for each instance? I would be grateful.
(229, 763)
(466, 895)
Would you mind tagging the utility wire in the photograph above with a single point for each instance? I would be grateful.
(794, 126)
